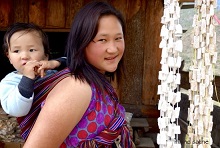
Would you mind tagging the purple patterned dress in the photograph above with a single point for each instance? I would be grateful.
(96, 118)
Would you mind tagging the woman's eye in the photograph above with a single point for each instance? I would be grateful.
(102, 40)
(119, 38)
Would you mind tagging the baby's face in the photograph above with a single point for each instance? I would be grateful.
(25, 47)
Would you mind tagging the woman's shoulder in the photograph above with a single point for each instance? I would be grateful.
(71, 81)
(72, 87)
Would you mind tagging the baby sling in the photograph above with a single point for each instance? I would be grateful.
(41, 90)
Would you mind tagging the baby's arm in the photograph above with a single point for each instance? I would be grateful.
(62, 61)
(59, 63)
(16, 94)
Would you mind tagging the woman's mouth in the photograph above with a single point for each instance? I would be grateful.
(110, 58)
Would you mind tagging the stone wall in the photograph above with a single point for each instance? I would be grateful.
(9, 129)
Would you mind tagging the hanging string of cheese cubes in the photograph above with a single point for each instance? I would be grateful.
(169, 76)
(201, 75)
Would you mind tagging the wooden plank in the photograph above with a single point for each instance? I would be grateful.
(6, 11)
(187, 6)
(55, 14)
(131, 85)
(216, 84)
(21, 11)
(37, 12)
(13, 145)
(72, 7)
(184, 80)
(120, 5)
(148, 111)
(152, 52)
(56, 29)
(153, 125)
(145, 143)
(134, 8)
(139, 122)
(183, 127)
(2, 145)
(180, 1)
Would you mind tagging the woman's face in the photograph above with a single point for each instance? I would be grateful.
(107, 48)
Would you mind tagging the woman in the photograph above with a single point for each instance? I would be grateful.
(82, 110)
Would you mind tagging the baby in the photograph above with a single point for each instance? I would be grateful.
(27, 49)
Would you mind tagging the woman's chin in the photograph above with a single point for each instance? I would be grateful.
(111, 69)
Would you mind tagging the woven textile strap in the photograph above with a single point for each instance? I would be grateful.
(116, 128)
(41, 90)
(108, 136)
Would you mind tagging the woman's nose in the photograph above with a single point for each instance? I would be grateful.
(112, 48)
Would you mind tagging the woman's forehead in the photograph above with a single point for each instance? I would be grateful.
(109, 24)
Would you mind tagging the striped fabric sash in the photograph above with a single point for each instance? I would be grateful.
(107, 137)
(41, 90)
(116, 128)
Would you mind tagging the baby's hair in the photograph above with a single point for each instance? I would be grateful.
(28, 27)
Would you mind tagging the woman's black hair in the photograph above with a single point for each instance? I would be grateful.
(84, 29)
(25, 27)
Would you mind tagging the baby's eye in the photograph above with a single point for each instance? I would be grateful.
(31, 50)
(16, 51)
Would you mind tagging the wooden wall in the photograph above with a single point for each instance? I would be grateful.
(142, 55)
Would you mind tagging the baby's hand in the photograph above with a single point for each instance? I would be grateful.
(30, 69)
(46, 65)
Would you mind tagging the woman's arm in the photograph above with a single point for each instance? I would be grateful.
(64, 107)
